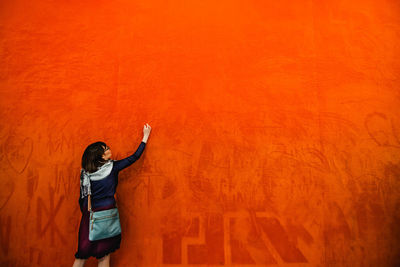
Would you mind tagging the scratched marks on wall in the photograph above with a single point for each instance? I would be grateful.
(47, 209)
(36, 255)
(19, 152)
(274, 204)
(383, 129)
(23, 195)
(8, 188)
(59, 143)
(232, 238)
(5, 233)
(233, 225)
(290, 197)
(66, 179)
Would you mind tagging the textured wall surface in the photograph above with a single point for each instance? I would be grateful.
(275, 141)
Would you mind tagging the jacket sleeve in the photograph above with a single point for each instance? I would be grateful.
(123, 163)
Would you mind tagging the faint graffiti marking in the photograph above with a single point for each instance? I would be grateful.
(381, 135)
(19, 152)
(59, 144)
(7, 187)
(35, 252)
(234, 239)
(5, 232)
(51, 212)
(32, 184)
(64, 178)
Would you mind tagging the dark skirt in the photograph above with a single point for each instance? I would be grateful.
(97, 248)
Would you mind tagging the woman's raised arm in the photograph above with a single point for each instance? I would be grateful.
(126, 162)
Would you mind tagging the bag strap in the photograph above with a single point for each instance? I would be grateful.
(89, 206)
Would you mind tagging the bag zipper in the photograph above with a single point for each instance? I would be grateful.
(109, 216)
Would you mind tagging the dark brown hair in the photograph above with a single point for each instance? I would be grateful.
(92, 157)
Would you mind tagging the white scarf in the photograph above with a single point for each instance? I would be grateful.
(101, 173)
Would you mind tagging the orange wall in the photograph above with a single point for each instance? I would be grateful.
(276, 129)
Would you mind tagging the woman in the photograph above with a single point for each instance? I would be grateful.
(99, 179)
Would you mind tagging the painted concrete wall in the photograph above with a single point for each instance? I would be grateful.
(275, 141)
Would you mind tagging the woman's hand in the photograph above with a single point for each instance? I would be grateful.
(146, 132)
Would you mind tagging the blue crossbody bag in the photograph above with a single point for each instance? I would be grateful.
(104, 223)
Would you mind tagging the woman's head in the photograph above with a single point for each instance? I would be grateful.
(94, 156)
